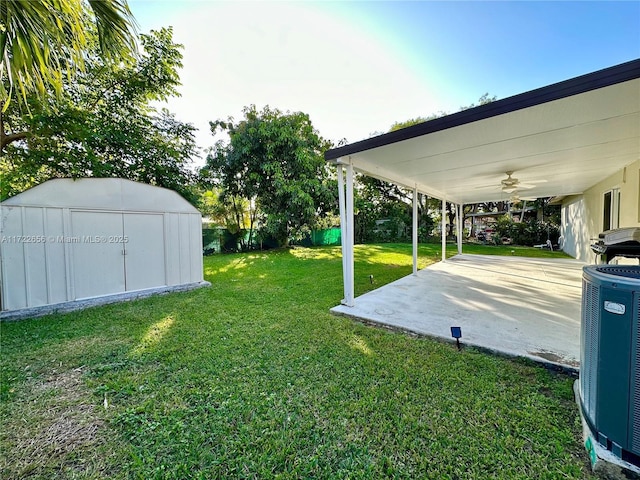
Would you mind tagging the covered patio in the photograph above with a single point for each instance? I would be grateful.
(557, 140)
(526, 307)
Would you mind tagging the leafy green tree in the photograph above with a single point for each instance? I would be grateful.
(236, 214)
(415, 121)
(275, 159)
(378, 192)
(483, 100)
(104, 124)
(43, 42)
(376, 200)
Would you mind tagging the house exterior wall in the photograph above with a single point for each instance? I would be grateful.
(574, 219)
(583, 215)
(59, 244)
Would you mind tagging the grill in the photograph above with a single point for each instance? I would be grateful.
(621, 242)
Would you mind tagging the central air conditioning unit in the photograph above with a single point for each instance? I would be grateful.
(609, 382)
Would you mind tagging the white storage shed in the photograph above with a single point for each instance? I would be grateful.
(67, 241)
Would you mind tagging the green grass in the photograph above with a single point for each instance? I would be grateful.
(253, 378)
(512, 250)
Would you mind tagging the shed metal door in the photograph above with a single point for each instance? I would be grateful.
(144, 247)
(98, 267)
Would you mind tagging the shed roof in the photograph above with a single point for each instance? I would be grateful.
(102, 194)
(561, 139)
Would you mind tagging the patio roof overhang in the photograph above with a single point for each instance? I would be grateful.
(563, 139)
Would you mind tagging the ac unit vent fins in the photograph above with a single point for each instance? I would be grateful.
(635, 441)
(610, 358)
(590, 304)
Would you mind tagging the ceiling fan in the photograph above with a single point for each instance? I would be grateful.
(515, 198)
(511, 184)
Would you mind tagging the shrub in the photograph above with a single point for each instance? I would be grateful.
(527, 233)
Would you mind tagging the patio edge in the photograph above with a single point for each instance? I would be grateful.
(548, 364)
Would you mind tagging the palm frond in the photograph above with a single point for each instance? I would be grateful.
(40, 40)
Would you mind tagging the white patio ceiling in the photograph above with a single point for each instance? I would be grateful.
(563, 138)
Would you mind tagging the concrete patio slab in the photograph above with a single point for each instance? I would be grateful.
(527, 307)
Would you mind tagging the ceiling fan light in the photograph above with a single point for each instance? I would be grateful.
(510, 189)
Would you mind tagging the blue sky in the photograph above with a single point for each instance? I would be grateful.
(358, 67)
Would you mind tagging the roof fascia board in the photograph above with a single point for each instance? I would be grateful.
(574, 86)
(386, 176)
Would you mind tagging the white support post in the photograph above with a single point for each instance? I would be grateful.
(343, 227)
(349, 221)
(460, 223)
(415, 230)
(444, 229)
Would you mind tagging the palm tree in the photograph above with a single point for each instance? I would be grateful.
(43, 40)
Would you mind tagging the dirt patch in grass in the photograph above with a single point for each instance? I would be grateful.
(53, 424)
(74, 423)
(553, 357)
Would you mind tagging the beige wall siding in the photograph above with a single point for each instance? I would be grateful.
(583, 215)
(574, 218)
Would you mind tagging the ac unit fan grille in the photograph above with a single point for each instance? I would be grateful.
(621, 271)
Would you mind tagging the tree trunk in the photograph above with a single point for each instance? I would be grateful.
(474, 209)
(451, 215)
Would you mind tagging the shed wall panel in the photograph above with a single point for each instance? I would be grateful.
(14, 282)
(184, 252)
(172, 248)
(35, 256)
(195, 254)
(57, 264)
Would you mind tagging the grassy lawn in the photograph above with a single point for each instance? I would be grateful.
(511, 250)
(254, 378)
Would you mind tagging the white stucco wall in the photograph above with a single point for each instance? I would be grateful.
(66, 240)
(582, 215)
(574, 220)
